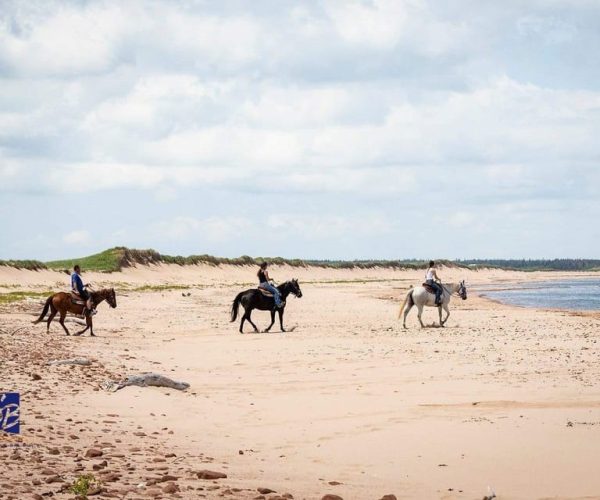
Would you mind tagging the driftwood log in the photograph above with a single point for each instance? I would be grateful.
(145, 380)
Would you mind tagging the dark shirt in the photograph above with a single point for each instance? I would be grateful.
(261, 277)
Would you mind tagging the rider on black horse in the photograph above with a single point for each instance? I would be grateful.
(264, 282)
(78, 288)
(432, 279)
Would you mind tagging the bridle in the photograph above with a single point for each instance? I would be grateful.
(295, 289)
(461, 292)
(108, 295)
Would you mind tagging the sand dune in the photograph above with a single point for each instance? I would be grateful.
(348, 403)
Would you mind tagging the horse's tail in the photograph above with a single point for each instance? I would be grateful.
(235, 306)
(408, 299)
(46, 307)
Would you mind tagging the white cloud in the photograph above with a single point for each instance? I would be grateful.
(385, 107)
(327, 226)
(79, 237)
(384, 24)
(461, 219)
(550, 29)
(378, 24)
(51, 40)
(210, 229)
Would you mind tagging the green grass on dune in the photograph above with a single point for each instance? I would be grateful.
(107, 261)
(8, 298)
(32, 265)
(111, 260)
(115, 259)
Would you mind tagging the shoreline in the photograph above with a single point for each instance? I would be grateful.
(586, 312)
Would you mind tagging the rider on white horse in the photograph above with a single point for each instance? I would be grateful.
(432, 279)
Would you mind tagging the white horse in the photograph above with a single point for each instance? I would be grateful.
(420, 297)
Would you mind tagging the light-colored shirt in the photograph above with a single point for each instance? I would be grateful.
(429, 275)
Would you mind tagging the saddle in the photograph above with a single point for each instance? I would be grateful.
(266, 293)
(429, 288)
(76, 299)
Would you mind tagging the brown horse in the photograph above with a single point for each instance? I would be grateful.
(63, 303)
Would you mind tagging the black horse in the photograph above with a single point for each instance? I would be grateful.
(255, 299)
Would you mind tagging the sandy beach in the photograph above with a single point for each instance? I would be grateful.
(347, 403)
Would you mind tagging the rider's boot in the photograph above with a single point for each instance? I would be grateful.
(90, 308)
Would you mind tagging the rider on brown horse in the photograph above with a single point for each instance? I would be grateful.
(78, 288)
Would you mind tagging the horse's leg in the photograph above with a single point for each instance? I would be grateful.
(447, 309)
(440, 313)
(63, 315)
(53, 312)
(280, 310)
(88, 322)
(420, 309)
(247, 316)
(242, 322)
(272, 321)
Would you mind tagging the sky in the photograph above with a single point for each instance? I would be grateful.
(317, 129)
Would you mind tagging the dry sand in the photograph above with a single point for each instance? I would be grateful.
(348, 403)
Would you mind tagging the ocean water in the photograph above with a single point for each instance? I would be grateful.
(581, 294)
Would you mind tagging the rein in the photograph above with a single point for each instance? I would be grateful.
(449, 292)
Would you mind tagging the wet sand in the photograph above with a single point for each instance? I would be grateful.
(348, 403)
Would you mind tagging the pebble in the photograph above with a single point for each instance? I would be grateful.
(170, 488)
(168, 477)
(209, 474)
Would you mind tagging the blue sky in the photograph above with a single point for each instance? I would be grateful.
(383, 129)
